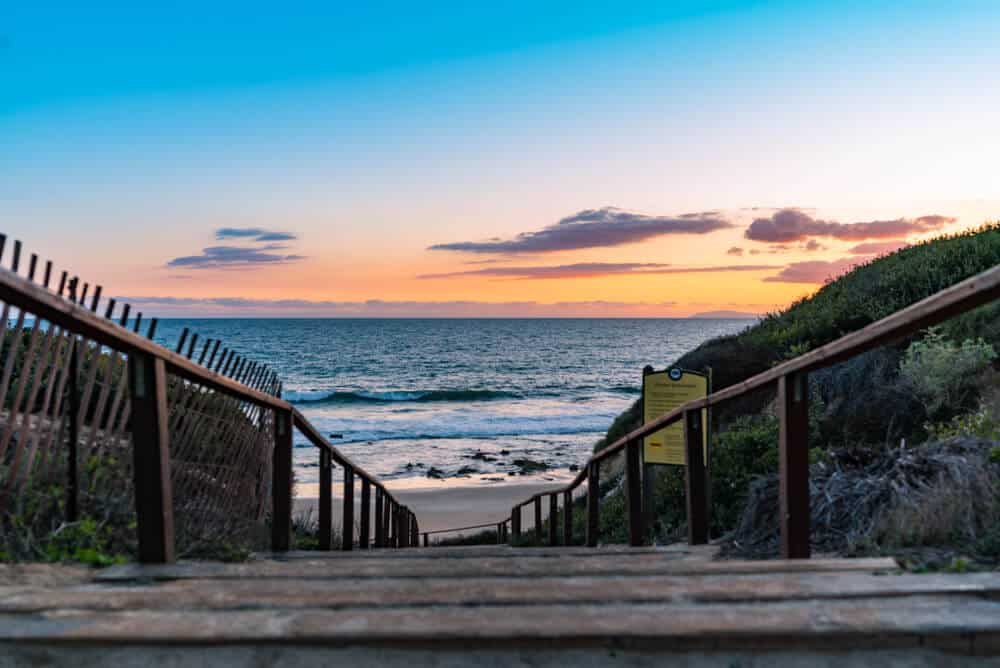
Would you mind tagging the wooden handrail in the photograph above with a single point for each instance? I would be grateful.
(474, 526)
(153, 491)
(35, 299)
(316, 438)
(959, 298)
(976, 291)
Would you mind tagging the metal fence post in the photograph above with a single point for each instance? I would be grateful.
(154, 506)
(793, 465)
(695, 478)
(281, 483)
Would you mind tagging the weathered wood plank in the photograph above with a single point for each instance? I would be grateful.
(436, 566)
(263, 593)
(898, 622)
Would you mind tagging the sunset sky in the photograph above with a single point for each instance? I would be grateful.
(505, 159)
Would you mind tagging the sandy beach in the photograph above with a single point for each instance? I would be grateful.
(447, 504)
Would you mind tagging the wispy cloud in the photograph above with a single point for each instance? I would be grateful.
(232, 257)
(816, 271)
(254, 233)
(594, 228)
(735, 250)
(236, 306)
(594, 269)
(790, 225)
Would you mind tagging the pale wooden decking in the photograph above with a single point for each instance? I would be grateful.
(503, 606)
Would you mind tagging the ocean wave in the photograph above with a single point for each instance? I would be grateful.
(463, 426)
(326, 397)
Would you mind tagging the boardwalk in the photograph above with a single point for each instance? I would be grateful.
(496, 605)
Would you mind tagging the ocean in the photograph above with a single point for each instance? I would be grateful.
(457, 398)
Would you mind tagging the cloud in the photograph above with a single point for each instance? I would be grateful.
(878, 247)
(790, 225)
(231, 257)
(593, 269)
(735, 250)
(237, 306)
(816, 271)
(254, 233)
(594, 228)
(813, 245)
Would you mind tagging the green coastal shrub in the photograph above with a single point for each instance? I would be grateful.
(874, 399)
(944, 374)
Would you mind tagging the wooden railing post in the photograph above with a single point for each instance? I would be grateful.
(593, 504)
(347, 530)
(793, 465)
(404, 523)
(414, 531)
(538, 520)
(281, 483)
(379, 519)
(427, 541)
(325, 500)
(567, 518)
(154, 505)
(633, 484)
(553, 519)
(515, 524)
(695, 478)
(394, 525)
(390, 515)
(364, 539)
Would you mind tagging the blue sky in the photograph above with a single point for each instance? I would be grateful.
(375, 132)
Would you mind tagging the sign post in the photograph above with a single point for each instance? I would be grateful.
(662, 392)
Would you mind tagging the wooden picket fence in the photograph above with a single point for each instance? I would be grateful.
(193, 445)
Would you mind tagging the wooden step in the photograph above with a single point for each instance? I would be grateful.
(265, 593)
(642, 563)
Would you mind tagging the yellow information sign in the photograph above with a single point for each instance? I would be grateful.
(662, 392)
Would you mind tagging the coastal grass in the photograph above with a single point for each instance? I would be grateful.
(940, 384)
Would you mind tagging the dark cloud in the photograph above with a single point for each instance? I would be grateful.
(813, 245)
(594, 228)
(231, 257)
(816, 271)
(735, 250)
(254, 233)
(878, 247)
(593, 269)
(790, 225)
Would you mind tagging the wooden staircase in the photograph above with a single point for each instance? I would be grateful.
(497, 605)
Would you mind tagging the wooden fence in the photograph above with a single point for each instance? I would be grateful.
(791, 380)
(194, 443)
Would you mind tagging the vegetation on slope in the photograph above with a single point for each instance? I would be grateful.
(932, 387)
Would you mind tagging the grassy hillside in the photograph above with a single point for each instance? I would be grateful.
(868, 293)
(870, 403)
